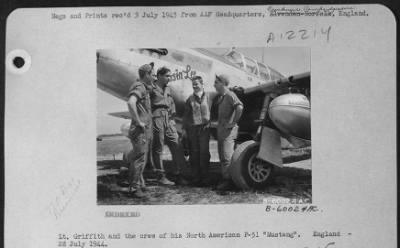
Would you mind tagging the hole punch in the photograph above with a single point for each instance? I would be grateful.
(18, 61)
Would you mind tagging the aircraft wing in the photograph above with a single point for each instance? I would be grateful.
(301, 80)
(127, 115)
(123, 115)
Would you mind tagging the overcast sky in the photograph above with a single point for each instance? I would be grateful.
(287, 61)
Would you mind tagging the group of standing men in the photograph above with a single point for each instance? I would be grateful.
(152, 110)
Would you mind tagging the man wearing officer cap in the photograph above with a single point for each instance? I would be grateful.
(140, 132)
(229, 111)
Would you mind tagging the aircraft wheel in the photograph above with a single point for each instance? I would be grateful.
(247, 170)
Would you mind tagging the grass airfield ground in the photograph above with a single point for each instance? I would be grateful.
(293, 181)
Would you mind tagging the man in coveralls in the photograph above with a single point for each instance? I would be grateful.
(140, 132)
(164, 130)
(230, 110)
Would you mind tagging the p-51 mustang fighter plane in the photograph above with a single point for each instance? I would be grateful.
(274, 106)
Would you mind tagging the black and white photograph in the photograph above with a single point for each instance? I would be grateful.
(200, 126)
(203, 125)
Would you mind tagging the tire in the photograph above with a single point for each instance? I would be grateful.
(246, 170)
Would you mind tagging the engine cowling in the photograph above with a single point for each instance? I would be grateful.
(291, 114)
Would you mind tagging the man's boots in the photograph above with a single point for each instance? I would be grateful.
(164, 180)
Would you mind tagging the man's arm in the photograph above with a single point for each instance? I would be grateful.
(172, 108)
(186, 117)
(133, 111)
(237, 113)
